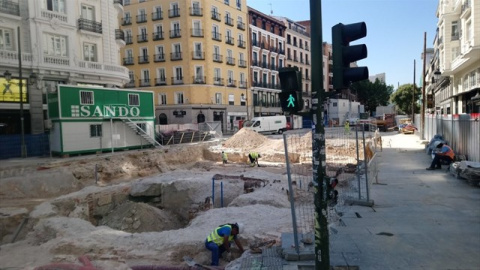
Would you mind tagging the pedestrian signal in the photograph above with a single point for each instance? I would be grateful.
(291, 101)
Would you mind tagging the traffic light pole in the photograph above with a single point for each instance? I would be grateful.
(320, 179)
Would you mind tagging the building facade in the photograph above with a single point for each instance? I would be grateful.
(194, 56)
(51, 42)
(267, 55)
(453, 74)
(298, 55)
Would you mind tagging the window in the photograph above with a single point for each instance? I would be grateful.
(198, 51)
(179, 98)
(178, 74)
(239, 4)
(199, 74)
(6, 39)
(162, 98)
(231, 99)
(133, 99)
(95, 130)
(161, 76)
(54, 5)
(146, 76)
(217, 76)
(455, 34)
(280, 63)
(86, 98)
(88, 12)
(218, 98)
(230, 77)
(54, 45)
(90, 52)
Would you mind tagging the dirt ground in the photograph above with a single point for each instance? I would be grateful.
(145, 207)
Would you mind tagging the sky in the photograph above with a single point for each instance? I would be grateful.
(395, 30)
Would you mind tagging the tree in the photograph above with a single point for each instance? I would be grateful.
(372, 94)
(403, 98)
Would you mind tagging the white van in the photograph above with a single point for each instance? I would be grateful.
(267, 124)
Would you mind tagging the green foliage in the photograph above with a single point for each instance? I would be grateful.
(372, 94)
(404, 100)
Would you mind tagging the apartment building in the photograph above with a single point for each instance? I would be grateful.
(267, 55)
(298, 54)
(192, 54)
(49, 42)
(453, 74)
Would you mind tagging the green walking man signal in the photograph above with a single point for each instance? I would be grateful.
(291, 101)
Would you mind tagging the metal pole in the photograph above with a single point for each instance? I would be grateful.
(413, 94)
(213, 192)
(22, 123)
(358, 162)
(221, 194)
(320, 181)
(366, 164)
(291, 198)
(111, 131)
(424, 84)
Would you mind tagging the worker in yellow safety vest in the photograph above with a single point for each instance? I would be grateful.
(220, 240)
(253, 156)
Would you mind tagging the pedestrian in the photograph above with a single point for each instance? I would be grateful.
(224, 157)
(443, 152)
(347, 127)
(220, 240)
(254, 156)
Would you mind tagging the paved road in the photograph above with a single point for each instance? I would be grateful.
(420, 219)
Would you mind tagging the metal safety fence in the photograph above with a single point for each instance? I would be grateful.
(351, 166)
(462, 132)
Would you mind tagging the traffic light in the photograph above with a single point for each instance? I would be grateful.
(291, 84)
(344, 54)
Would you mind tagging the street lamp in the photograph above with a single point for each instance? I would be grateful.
(436, 75)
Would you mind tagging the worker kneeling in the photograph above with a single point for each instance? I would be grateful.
(253, 156)
(220, 240)
(443, 152)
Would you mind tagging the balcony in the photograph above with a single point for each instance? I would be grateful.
(230, 40)
(119, 35)
(307, 48)
(231, 61)
(130, 84)
(157, 15)
(144, 83)
(195, 32)
(241, 25)
(175, 56)
(241, 43)
(143, 59)
(216, 36)
(88, 25)
(199, 80)
(119, 2)
(160, 81)
(255, 43)
(158, 35)
(198, 55)
(307, 62)
(128, 39)
(196, 11)
(218, 81)
(126, 21)
(9, 7)
(228, 20)
(141, 18)
(177, 80)
(174, 13)
(273, 67)
(159, 57)
(142, 38)
(231, 83)
(128, 61)
(175, 33)
(264, 65)
(216, 16)
(255, 62)
(242, 84)
(242, 63)
(217, 58)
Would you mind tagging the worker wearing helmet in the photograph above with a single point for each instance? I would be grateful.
(220, 240)
(443, 152)
(253, 156)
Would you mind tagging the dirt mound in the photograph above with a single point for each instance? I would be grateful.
(139, 217)
(245, 139)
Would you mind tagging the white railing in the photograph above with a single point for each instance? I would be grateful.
(50, 15)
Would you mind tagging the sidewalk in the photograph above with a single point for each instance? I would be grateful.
(420, 219)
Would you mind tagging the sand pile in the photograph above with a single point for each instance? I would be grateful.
(245, 139)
